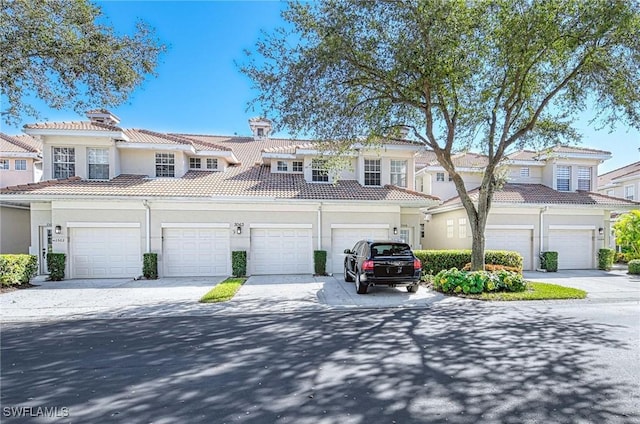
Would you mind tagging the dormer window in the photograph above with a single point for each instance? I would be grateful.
(318, 172)
(563, 178)
(439, 176)
(372, 172)
(64, 162)
(524, 172)
(297, 166)
(584, 178)
(282, 166)
(260, 132)
(98, 160)
(165, 165)
(195, 163)
(212, 163)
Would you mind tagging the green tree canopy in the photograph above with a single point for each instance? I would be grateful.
(59, 52)
(490, 75)
(627, 231)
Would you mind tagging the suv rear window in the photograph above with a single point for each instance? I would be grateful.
(390, 249)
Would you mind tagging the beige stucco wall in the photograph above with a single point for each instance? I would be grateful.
(535, 174)
(11, 177)
(619, 189)
(14, 229)
(80, 144)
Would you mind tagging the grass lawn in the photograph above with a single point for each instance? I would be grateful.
(535, 291)
(223, 291)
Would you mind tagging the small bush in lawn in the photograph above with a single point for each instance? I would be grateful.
(455, 281)
(634, 266)
(17, 269)
(55, 263)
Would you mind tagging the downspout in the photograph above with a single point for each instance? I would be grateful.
(320, 226)
(148, 224)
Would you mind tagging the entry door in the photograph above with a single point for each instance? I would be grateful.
(46, 246)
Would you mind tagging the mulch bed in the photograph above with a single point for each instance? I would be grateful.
(7, 289)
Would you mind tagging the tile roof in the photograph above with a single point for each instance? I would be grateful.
(630, 170)
(255, 181)
(19, 144)
(538, 194)
(576, 149)
(524, 155)
(73, 126)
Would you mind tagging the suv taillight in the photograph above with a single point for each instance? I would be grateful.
(367, 265)
(417, 264)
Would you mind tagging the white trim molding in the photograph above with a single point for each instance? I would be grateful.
(103, 224)
(572, 227)
(509, 227)
(360, 226)
(194, 225)
(284, 226)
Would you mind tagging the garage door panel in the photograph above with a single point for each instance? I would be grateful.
(105, 252)
(574, 247)
(346, 238)
(196, 252)
(281, 251)
(518, 240)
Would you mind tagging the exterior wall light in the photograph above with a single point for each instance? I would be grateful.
(601, 231)
(395, 230)
(238, 230)
(58, 229)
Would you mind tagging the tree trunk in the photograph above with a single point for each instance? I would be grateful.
(477, 244)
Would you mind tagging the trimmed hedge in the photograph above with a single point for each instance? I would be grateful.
(634, 266)
(17, 269)
(320, 262)
(549, 261)
(455, 281)
(434, 261)
(605, 259)
(239, 263)
(150, 266)
(55, 263)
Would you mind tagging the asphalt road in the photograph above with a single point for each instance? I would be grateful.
(552, 362)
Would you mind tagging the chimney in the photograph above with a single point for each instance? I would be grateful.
(103, 116)
(260, 128)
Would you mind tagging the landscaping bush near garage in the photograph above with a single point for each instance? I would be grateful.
(457, 281)
(549, 261)
(55, 263)
(605, 259)
(150, 266)
(435, 261)
(239, 263)
(17, 269)
(320, 262)
(634, 266)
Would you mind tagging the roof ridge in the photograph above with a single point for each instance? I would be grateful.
(15, 141)
(177, 138)
(618, 169)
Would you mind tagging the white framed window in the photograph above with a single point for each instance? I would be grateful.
(64, 162)
(212, 163)
(449, 228)
(283, 166)
(195, 163)
(462, 227)
(439, 176)
(584, 178)
(563, 178)
(524, 172)
(405, 235)
(421, 230)
(297, 166)
(319, 173)
(4, 164)
(372, 172)
(20, 165)
(98, 161)
(611, 192)
(399, 173)
(629, 192)
(260, 132)
(165, 165)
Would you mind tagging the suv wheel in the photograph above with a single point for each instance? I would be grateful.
(360, 287)
(348, 278)
(413, 288)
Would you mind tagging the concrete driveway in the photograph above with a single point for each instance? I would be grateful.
(76, 299)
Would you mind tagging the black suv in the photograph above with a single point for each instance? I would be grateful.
(386, 263)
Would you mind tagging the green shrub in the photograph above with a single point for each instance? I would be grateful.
(605, 259)
(455, 281)
(55, 263)
(150, 266)
(17, 269)
(239, 263)
(549, 261)
(621, 258)
(320, 262)
(434, 261)
(634, 266)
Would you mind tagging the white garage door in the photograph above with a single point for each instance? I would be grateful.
(196, 252)
(281, 251)
(346, 238)
(518, 240)
(574, 247)
(105, 252)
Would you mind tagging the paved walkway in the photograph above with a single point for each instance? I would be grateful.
(77, 299)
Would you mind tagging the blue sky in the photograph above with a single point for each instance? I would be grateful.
(199, 88)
